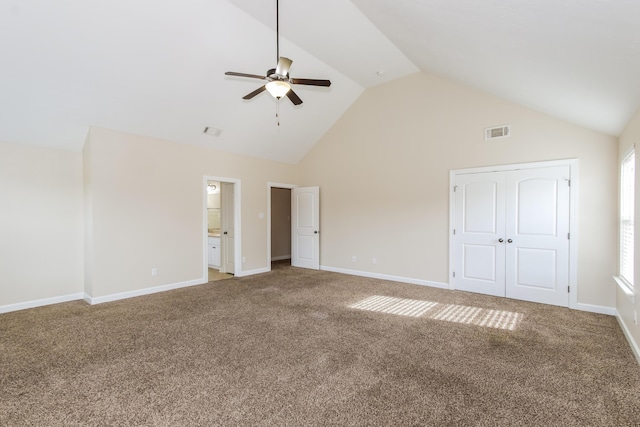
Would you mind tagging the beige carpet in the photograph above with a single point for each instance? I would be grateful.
(297, 347)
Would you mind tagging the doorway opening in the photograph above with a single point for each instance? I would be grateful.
(221, 228)
(279, 226)
(304, 219)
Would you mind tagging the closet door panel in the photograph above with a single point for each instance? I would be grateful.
(479, 225)
(537, 231)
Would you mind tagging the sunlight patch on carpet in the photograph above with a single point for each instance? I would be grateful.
(498, 319)
(400, 306)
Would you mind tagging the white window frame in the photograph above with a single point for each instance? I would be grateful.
(626, 273)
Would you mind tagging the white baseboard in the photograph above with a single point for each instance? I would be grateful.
(280, 258)
(139, 292)
(252, 272)
(386, 277)
(611, 311)
(40, 302)
(632, 343)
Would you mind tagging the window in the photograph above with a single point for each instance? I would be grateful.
(627, 190)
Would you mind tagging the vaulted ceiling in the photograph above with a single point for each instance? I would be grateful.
(157, 68)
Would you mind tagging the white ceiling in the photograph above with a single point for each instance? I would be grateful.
(157, 68)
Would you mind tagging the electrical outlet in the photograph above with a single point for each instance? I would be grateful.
(373, 260)
(354, 259)
(154, 271)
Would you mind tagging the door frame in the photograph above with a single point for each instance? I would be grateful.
(237, 238)
(573, 214)
(271, 185)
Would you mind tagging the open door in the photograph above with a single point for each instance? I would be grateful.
(227, 228)
(305, 227)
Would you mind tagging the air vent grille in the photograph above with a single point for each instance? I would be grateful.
(497, 132)
(212, 131)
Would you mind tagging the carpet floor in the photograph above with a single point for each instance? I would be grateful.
(297, 347)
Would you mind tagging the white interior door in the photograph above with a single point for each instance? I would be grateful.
(512, 234)
(305, 227)
(537, 249)
(227, 223)
(479, 262)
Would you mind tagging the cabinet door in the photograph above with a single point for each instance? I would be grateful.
(210, 245)
(215, 253)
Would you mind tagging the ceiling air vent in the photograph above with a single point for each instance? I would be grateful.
(212, 131)
(497, 132)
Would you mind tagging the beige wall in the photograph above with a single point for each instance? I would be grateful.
(147, 208)
(384, 169)
(280, 223)
(624, 305)
(41, 225)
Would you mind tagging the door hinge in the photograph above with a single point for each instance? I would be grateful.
(568, 236)
(569, 182)
(455, 187)
(454, 231)
(454, 274)
(569, 289)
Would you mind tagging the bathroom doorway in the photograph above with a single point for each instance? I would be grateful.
(221, 228)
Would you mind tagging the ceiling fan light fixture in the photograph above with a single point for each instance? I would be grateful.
(278, 88)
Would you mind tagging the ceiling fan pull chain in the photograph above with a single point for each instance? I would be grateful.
(278, 111)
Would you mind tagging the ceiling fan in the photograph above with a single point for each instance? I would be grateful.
(278, 80)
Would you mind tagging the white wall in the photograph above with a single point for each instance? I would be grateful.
(41, 224)
(384, 168)
(626, 306)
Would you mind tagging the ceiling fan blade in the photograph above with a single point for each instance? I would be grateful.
(311, 82)
(293, 97)
(253, 76)
(255, 92)
(283, 66)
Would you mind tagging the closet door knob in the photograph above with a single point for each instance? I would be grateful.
(509, 241)
(501, 240)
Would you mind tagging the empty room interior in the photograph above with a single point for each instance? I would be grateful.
(319, 213)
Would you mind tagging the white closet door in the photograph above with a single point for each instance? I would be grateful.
(479, 226)
(512, 234)
(537, 249)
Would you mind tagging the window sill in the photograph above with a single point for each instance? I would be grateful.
(624, 287)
